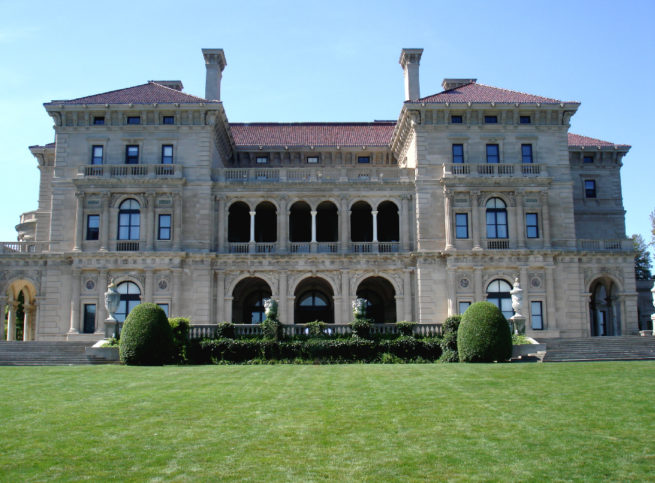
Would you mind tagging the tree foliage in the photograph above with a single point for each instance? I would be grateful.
(642, 258)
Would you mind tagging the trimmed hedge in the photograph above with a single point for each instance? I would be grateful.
(449, 341)
(406, 349)
(484, 335)
(180, 329)
(147, 337)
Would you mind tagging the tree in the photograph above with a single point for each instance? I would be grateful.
(652, 228)
(642, 258)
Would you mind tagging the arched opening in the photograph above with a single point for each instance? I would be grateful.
(20, 313)
(327, 222)
(380, 299)
(265, 223)
(248, 301)
(361, 222)
(496, 218)
(604, 308)
(130, 298)
(314, 301)
(300, 223)
(498, 293)
(388, 227)
(129, 220)
(238, 223)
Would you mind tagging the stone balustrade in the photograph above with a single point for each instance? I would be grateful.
(131, 171)
(24, 247)
(365, 174)
(485, 170)
(615, 245)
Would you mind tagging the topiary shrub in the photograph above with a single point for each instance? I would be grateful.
(225, 330)
(146, 338)
(316, 328)
(449, 339)
(361, 326)
(271, 327)
(406, 328)
(483, 335)
(180, 329)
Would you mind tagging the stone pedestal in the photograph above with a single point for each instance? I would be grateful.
(518, 322)
(110, 327)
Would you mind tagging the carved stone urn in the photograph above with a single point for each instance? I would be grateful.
(517, 320)
(112, 299)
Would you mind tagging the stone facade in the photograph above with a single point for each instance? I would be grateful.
(467, 190)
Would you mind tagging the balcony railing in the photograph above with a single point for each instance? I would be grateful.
(615, 245)
(289, 330)
(314, 247)
(131, 171)
(127, 246)
(370, 174)
(24, 247)
(493, 170)
(497, 244)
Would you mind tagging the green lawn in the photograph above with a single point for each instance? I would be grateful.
(534, 422)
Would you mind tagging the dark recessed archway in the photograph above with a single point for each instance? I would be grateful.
(381, 299)
(314, 301)
(248, 301)
(238, 223)
(300, 222)
(361, 222)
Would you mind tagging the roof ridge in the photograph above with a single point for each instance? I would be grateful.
(101, 93)
(516, 92)
(174, 90)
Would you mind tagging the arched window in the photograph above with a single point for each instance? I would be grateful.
(313, 301)
(498, 294)
(130, 298)
(248, 301)
(496, 218)
(129, 220)
(254, 306)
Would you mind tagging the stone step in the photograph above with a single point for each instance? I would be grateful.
(600, 348)
(43, 353)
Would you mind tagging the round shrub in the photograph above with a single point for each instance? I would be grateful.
(483, 335)
(146, 338)
(180, 330)
(406, 328)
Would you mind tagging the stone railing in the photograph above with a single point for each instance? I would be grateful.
(127, 246)
(616, 245)
(314, 174)
(290, 330)
(313, 247)
(493, 170)
(24, 247)
(28, 217)
(497, 244)
(131, 171)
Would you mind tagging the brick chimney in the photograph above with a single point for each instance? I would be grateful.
(215, 63)
(410, 60)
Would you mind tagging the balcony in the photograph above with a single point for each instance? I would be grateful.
(131, 171)
(368, 174)
(24, 247)
(452, 170)
(314, 247)
(616, 245)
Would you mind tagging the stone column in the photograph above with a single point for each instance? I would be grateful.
(252, 225)
(282, 297)
(447, 203)
(545, 215)
(149, 286)
(475, 219)
(407, 290)
(75, 302)
(104, 222)
(477, 282)
(452, 292)
(79, 221)
(344, 232)
(101, 311)
(313, 243)
(228, 309)
(520, 228)
(282, 227)
(28, 321)
(345, 297)
(177, 221)
(221, 228)
(150, 222)
(550, 300)
(3, 304)
(220, 296)
(404, 222)
(11, 320)
(374, 215)
(514, 223)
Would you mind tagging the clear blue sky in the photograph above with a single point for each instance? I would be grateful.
(329, 61)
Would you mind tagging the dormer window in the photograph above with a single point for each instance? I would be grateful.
(456, 119)
(525, 120)
(168, 120)
(262, 159)
(312, 159)
(363, 159)
(98, 120)
(134, 119)
(587, 159)
(491, 119)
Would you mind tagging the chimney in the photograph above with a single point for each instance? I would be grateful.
(410, 60)
(215, 63)
(450, 84)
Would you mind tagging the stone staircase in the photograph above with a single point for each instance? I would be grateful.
(42, 353)
(624, 348)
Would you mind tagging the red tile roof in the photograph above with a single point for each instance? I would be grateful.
(142, 94)
(480, 93)
(313, 134)
(577, 140)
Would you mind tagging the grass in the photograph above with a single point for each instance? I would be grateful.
(528, 422)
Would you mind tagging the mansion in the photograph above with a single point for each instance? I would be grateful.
(154, 189)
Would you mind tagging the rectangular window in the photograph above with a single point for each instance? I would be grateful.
(96, 154)
(491, 119)
(590, 188)
(536, 316)
(525, 120)
(463, 306)
(492, 154)
(588, 159)
(168, 120)
(134, 119)
(167, 154)
(532, 225)
(92, 227)
(164, 307)
(98, 120)
(526, 153)
(363, 159)
(89, 318)
(458, 153)
(164, 232)
(312, 159)
(456, 119)
(262, 160)
(461, 225)
(132, 154)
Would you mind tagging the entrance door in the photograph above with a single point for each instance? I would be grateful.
(89, 318)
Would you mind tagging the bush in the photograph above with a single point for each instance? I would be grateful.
(484, 335)
(180, 329)
(225, 330)
(449, 340)
(361, 328)
(406, 328)
(146, 338)
(451, 324)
